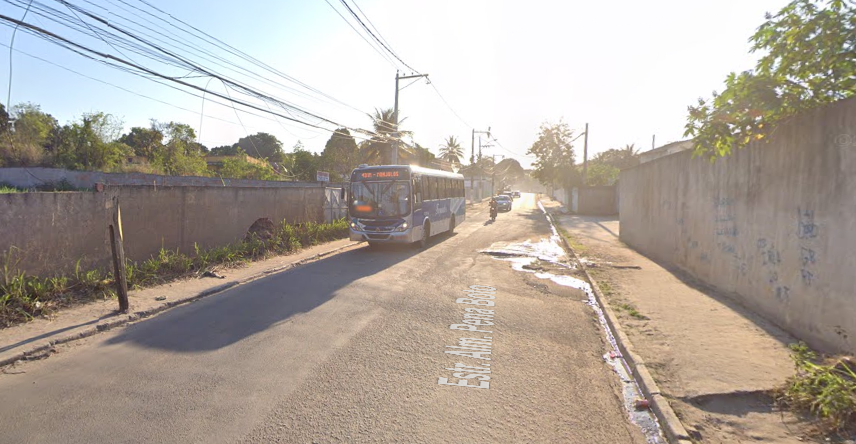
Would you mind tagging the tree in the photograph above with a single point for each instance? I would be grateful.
(240, 168)
(623, 158)
(451, 151)
(341, 154)
(4, 119)
(809, 61)
(601, 174)
(261, 146)
(379, 148)
(144, 141)
(89, 144)
(225, 150)
(181, 155)
(421, 156)
(32, 126)
(555, 156)
(301, 164)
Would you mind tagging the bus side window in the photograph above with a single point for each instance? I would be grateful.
(417, 191)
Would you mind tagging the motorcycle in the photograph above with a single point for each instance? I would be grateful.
(493, 214)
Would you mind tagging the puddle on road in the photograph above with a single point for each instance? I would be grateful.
(546, 259)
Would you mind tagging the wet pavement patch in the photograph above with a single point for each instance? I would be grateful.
(546, 259)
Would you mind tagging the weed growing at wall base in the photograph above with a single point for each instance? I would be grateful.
(23, 297)
(827, 390)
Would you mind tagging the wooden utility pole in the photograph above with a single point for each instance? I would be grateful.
(118, 246)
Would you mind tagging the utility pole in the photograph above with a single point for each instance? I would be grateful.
(473, 154)
(493, 176)
(653, 141)
(585, 156)
(395, 114)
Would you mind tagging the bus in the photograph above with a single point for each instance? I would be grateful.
(404, 204)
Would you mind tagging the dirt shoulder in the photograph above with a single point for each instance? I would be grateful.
(713, 359)
(83, 320)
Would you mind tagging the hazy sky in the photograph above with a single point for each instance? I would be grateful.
(628, 68)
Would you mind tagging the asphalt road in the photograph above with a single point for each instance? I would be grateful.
(350, 348)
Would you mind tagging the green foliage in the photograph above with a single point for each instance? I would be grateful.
(601, 174)
(144, 141)
(262, 146)
(419, 155)
(181, 155)
(240, 168)
(378, 150)
(89, 144)
(4, 119)
(301, 164)
(32, 126)
(554, 151)
(341, 155)
(808, 61)
(827, 391)
(451, 151)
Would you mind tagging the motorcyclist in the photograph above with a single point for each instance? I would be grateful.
(493, 207)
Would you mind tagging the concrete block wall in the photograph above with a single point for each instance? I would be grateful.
(773, 224)
(54, 230)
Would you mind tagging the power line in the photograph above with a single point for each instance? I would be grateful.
(375, 37)
(134, 68)
(449, 106)
(131, 91)
(382, 54)
(159, 54)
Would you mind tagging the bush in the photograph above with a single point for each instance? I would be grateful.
(826, 390)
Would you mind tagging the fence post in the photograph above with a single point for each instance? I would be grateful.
(118, 246)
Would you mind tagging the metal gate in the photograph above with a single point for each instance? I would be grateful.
(335, 207)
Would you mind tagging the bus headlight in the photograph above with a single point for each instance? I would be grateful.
(353, 225)
(402, 227)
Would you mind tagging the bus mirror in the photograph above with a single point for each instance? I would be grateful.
(343, 193)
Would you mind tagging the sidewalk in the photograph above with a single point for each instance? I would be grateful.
(711, 358)
(38, 336)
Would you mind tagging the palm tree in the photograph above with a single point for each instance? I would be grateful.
(451, 151)
(378, 150)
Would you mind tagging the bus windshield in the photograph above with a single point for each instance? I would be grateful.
(380, 199)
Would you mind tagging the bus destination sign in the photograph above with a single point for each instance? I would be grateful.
(381, 174)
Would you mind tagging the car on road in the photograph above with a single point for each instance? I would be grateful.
(515, 194)
(507, 193)
(503, 203)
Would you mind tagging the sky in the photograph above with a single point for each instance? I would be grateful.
(627, 68)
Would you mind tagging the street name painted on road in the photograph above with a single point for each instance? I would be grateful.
(475, 320)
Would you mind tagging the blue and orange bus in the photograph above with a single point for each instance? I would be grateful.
(404, 204)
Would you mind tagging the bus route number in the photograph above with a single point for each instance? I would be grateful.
(379, 174)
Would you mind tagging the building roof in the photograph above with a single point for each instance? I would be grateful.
(665, 150)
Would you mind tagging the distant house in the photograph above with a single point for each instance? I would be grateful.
(665, 150)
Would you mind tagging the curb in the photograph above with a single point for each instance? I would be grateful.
(46, 350)
(669, 422)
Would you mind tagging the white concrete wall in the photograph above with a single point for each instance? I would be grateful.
(773, 224)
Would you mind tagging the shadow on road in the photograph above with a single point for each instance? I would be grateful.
(226, 318)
